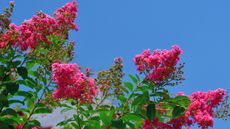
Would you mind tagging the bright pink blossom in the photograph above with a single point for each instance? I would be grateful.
(158, 65)
(72, 83)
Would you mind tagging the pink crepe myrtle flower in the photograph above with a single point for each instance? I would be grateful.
(72, 83)
(158, 65)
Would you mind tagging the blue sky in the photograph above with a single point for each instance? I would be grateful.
(111, 28)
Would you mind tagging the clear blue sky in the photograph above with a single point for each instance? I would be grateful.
(111, 28)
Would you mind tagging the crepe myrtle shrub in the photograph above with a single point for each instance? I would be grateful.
(36, 76)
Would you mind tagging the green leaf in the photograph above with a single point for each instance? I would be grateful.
(151, 111)
(124, 89)
(133, 78)
(132, 125)
(42, 111)
(8, 111)
(22, 71)
(66, 109)
(182, 101)
(34, 123)
(2, 69)
(34, 84)
(106, 116)
(131, 117)
(3, 90)
(122, 98)
(178, 111)
(93, 124)
(78, 119)
(40, 105)
(16, 101)
(143, 88)
(141, 99)
(8, 122)
(129, 85)
(25, 94)
(65, 122)
(16, 63)
(118, 124)
(3, 101)
(138, 78)
(31, 64)
(12, 87)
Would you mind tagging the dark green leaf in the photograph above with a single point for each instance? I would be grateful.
(35, 123)
(42, 111)
(178, 111)
(8, 121)
(9, 111)
(119, 124)
(40, 105)
(151, 111)
(3, 101)
(22, 71)
(2, 70)
(12, 87)
(16, 63)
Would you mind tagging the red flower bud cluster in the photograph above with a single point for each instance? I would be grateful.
(72, 83)
(158, 65)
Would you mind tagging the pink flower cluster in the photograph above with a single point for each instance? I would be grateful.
(72, 83)
(66, 15)
(200, 111)
(37, 30)
(158, 65)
